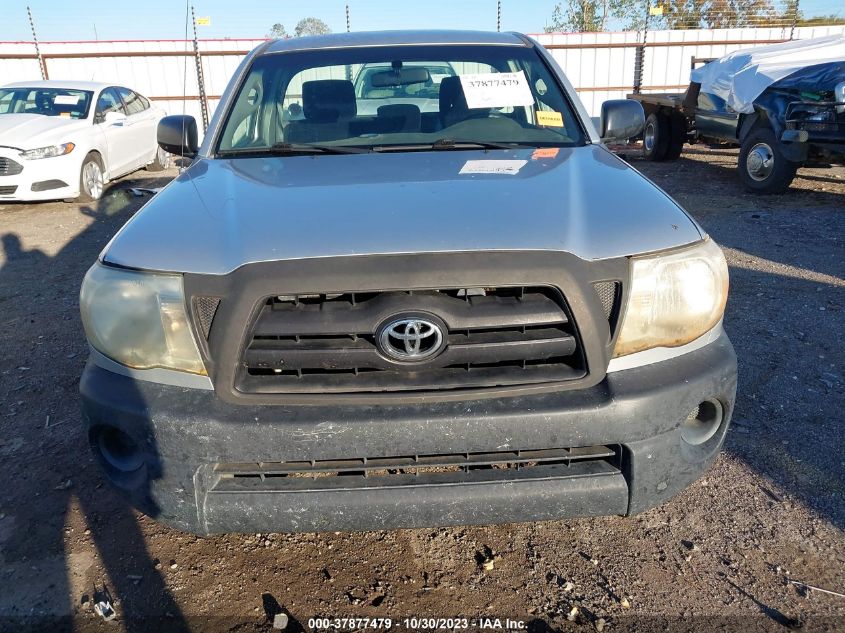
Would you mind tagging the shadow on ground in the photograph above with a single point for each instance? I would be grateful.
(785, 316)
(48, 457)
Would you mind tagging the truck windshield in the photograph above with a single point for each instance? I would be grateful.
(402, 98)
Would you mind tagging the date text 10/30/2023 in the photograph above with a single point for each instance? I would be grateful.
(415, 624)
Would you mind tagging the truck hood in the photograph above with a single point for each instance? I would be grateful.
(31, 131)
(221, 214)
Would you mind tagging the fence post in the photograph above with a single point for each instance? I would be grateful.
(41, 65)
(200, 79)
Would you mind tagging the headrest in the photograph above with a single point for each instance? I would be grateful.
(451, 95)
(407, 111)
(327, 100)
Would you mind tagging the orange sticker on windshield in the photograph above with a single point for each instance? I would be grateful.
(549, 118)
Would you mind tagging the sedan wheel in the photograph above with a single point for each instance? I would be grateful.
(91, 181)
(161, 161)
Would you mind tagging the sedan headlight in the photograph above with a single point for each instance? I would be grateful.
(674, 298)
(138, 319)
(48, 152)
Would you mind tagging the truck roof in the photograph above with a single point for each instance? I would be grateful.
(393, 38)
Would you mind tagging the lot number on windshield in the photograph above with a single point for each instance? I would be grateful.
(496, 90)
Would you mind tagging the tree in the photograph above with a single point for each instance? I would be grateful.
(820, 20)
(278, 30)
(714, 14)
(597, 15)
(311, 26)
(601, 15)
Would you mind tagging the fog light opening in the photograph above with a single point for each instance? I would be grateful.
(122, 459)
(119, 450)
(703, 422)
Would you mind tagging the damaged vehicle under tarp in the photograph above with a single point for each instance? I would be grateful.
(783, 104)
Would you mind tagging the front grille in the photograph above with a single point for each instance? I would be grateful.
(8, 167)
(8, 191)
(415, 469)
(493, 337)
(820, 117)
(831, 127)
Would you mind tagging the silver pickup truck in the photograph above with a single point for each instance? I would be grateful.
(402, 318)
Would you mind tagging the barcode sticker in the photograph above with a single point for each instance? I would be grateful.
(504, 167)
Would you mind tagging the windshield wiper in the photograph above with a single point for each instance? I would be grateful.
(280, 149)
(450, 144)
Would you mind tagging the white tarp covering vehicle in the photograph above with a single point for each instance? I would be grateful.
(783, 105)
(742, 76)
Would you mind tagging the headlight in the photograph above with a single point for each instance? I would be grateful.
(138, 319)
(48, 152)
(674, 298)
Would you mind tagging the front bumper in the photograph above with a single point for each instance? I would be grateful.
(52, 178)
(185, 433)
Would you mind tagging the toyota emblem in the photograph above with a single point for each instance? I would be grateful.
(410, 339)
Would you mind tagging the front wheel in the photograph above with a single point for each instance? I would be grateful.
(92, 183)
(160, 162)
(762, 166)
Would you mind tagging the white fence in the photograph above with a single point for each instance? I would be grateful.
(162, 70)
(600, 65)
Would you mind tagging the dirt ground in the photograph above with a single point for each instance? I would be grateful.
(723, 554)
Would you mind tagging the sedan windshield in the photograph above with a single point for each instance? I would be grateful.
(402, 98)
(61, 102)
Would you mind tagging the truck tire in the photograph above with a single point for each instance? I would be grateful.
(762, 166)
(656, 137)
(677, 136)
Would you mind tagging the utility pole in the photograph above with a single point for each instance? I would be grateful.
(347, 19)
(200, 79)
(41, 63)
(499, 16)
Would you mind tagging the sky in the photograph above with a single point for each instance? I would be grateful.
(165, 19)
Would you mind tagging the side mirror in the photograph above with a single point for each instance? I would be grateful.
(177, 134)
(621, 119)
(114, 118)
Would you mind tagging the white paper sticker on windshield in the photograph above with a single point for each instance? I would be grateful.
(496, 90)
(66, 99)
(505, 167)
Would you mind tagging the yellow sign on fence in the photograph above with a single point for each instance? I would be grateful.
(203, 21)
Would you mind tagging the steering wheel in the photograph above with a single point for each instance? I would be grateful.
(44, 103)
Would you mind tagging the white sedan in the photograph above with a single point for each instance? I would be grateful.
(67, 139)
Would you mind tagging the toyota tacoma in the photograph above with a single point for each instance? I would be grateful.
(404, 318)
